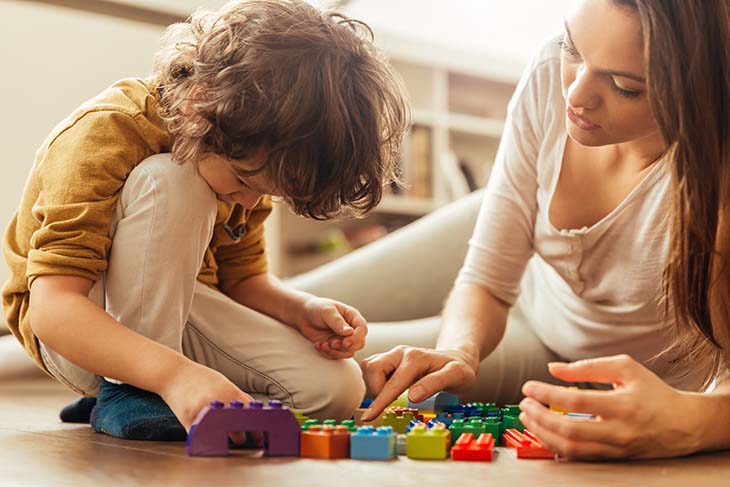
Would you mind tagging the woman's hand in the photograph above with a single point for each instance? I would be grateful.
(336, 329)
(425, 371)
(642, 417)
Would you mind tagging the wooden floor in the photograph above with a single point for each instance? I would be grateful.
(37, 449)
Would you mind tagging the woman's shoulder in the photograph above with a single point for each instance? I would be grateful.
(541, 77)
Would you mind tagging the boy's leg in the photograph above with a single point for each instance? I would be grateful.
(162, 227)
(268, 359)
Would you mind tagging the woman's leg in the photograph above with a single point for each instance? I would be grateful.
(268, 359)
(519, 357)
(406, 275)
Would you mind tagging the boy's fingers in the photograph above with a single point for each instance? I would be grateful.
(335, 322)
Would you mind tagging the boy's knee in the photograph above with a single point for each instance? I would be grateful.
(171, 182)
(335, 397)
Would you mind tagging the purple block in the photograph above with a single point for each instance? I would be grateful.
(209, 433)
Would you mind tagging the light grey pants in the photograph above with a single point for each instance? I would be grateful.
(163, 224)
(400, 284)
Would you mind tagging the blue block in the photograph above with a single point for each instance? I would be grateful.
(368, 443)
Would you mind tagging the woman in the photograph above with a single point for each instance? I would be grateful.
(606, 215)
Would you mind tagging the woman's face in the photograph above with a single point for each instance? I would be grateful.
(603, 75)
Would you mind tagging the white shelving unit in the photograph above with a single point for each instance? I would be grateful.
(461, 99)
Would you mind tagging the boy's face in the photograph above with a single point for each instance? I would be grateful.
(222, 176)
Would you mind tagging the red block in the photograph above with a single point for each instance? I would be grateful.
(467, 448)
(526, 444)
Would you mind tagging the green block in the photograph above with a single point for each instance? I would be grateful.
(512, 422)
(475, 425)
(425, 444)
(492, 425)
(308, 423)
(350, 423)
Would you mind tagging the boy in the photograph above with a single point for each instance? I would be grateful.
(139, 277)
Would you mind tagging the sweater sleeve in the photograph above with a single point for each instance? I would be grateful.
(80, 176)
(502, 242)
(247, 257)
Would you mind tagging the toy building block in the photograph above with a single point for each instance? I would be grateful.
(325, 441)
(580, 415)
(368, 443)
(428, 417)
(557, 409)
(357, 417)
(511, 419)
(467, 448)
(425, 444)
(401, 443)
(348, 423)
(526, 444)
(441, 401)
(401, 401)
(301, 418)
(475, 426)
(399, 418)
(209, 433)
(365, 403)
(492, 425)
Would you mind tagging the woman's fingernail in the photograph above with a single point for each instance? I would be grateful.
(366, 415)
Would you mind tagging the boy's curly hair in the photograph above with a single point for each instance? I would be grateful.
(308, 87)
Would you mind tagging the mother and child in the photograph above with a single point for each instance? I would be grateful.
(600, 253)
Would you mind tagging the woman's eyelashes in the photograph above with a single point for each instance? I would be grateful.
(623, 92)
(573, 53)
(569, 49)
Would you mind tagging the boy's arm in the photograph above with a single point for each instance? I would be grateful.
(336, 329)
(66, 320)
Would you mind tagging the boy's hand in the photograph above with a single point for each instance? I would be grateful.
(193, 387)
(337, 330)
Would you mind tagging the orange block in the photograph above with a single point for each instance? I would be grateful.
(325, 441)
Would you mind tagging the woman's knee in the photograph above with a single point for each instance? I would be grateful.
(334, 390)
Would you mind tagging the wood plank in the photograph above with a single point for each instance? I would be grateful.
(37, 449)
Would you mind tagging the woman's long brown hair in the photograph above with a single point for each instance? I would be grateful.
(687, 47)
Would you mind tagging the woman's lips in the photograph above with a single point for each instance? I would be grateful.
(581, 122)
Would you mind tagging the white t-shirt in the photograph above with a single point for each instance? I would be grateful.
(586, 292)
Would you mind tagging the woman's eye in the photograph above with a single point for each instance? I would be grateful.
(569, 50)
(623, 92)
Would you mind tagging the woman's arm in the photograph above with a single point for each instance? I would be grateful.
(712, 412)
(473, 324)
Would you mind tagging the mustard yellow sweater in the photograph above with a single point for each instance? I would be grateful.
(63, 223)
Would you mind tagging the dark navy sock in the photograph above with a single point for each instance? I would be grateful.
(131, 413)
(78, 411)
